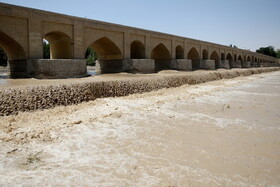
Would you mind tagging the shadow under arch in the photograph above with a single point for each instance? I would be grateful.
(205, 54)
(214, 56)
(240, 58)
(180, 52)
(223, 56)
(248, 59)
(16, 56)
(137, 50)
(162, 57)
(109, 55)
(61, 45)
(194, 57)
(230, 60)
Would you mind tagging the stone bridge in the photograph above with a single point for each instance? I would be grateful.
(119, 48)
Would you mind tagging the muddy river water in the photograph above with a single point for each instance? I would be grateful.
(221, 133)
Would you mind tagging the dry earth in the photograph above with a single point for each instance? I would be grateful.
(221, 133)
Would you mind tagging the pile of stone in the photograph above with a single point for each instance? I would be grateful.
(13, 101)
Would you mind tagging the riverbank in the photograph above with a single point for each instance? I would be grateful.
(219, 133)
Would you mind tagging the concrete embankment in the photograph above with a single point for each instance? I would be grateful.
(15, 100)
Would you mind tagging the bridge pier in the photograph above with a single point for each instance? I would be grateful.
(47, 68)
(56, 68)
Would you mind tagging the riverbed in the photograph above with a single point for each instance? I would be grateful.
(220, 133)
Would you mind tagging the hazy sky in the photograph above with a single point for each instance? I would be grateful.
(248, 24)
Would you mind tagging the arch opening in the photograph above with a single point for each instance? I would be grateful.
(180, 52)
(60, 45)
(194, 57)
(162, 57)
(204, 54)
(46, 49)
(230, 60)
(91, 56)
(215, 56)
(3, 64)
(3, 58)
(108, 55)
(248, 59)
(137, 50)
(223, 56)
(106, 49)
(240, 58)
(255, 62)
(14, 55)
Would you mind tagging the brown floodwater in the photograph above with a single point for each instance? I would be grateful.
(6, 82)
(221, 133)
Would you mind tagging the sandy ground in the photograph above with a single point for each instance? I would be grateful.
(221, 133)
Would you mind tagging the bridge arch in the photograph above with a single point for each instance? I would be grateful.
(194, 56)
(61, 45)
(205, 54)
(15, 54)
(162, 57)
(106, 49)
(180, 52)
(214, 56)
(137, 50)
(108, 55)
(12, 48)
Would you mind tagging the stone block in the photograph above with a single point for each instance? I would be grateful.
(56, 68)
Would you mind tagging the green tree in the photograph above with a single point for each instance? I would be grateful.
(46, 50)
(267, 51)
(3, 58)
(278, 53)
(91, 57)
